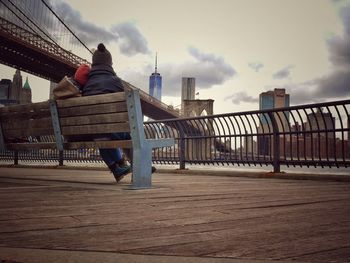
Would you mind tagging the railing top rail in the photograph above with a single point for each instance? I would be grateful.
(255, 112)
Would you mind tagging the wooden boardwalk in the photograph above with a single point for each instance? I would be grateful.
(202, 216)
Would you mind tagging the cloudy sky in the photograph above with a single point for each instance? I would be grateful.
(235, 49)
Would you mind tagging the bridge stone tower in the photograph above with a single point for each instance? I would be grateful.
(192, 108)
(188, 90)
(189, 106)
(200, 147)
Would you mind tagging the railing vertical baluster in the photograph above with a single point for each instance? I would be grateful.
(333, 133)
(182, 150)
(15, 159)
(276, 144)
(343, 144)
(60, 158)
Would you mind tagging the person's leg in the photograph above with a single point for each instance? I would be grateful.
(112, 157)
(128, 153)
(107, 156)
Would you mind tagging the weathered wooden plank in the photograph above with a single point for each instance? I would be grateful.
(27, 124)
(29, 146)
(91, 100)
(95, 129)
(95, 119)
(98, 144)
(18, 133)
(213, 216)
(24, 108)
(19, 116)
(93, 109)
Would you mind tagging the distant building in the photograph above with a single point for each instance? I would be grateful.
(321, 120)
(155, 84)
(26, 93)
(12, 92)
(5, 88)
(17, 84)
(272, 100)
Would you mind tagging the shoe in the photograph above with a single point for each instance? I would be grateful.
(123, 162)
(119, 171)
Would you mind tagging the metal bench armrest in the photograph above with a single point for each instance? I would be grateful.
(158, 143)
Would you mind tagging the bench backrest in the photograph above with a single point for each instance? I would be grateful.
(99, 114)
(18, 122)
(94, 114)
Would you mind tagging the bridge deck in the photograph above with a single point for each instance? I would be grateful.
(62, 211)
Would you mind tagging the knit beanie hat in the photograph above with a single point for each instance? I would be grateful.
(82, 73)
(102, 56)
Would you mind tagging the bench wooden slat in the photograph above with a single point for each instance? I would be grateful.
(95, 119)
(18, 133)
(95, 129)
(71, 145)
(24, 108)
(27, 124)
(25, 112)
(92, 109)
(91, 100)
(158, 143)
(29, 146)
(98, 144)
(25, 115)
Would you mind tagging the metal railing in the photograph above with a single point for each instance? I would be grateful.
(308, 135)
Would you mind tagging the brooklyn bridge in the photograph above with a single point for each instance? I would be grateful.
(29, 44)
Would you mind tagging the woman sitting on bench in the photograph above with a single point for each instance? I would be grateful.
(101, 80)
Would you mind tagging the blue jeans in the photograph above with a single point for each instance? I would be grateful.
(110, 156)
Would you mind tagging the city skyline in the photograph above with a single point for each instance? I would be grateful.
(243, 48)
(14, 91)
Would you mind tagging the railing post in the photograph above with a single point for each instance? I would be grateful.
(276, 144)
(182, 150)
(60, 158)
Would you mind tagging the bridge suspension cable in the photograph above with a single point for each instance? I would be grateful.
(53, 12)
(29, 19)
(39, 18)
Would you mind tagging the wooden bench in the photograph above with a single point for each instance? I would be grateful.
(99, 114)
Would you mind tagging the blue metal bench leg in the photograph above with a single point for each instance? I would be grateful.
(142, 175)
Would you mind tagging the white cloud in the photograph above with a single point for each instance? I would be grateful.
(242, 97)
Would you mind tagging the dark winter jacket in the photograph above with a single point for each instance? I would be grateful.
(102, 79)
